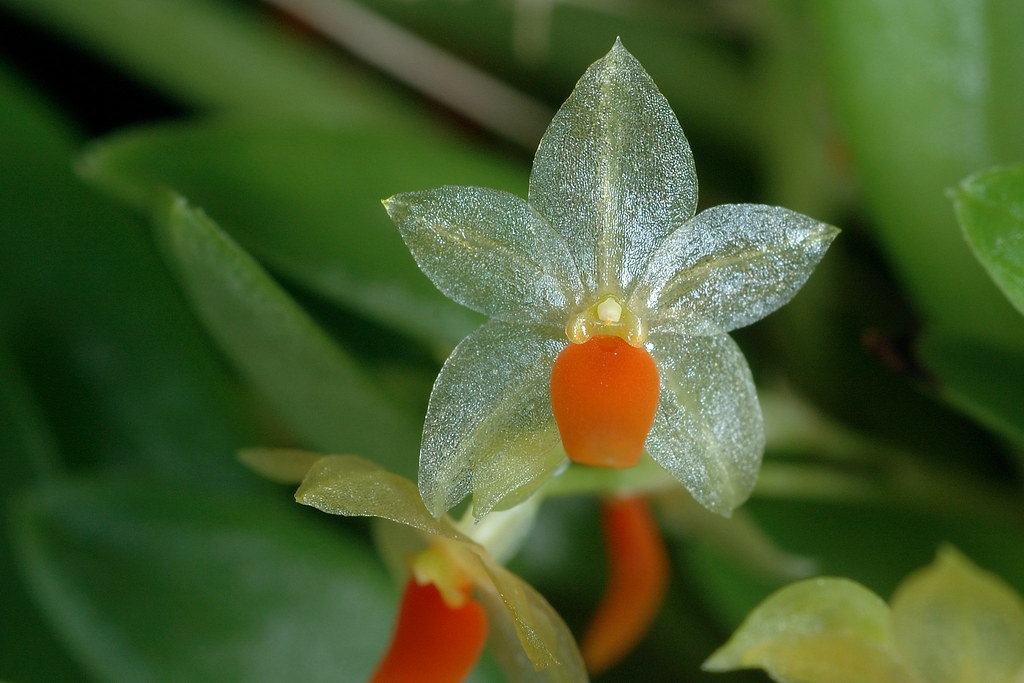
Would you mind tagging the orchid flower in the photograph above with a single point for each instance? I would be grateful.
(950, 622)
(609, 305)
(457, 595)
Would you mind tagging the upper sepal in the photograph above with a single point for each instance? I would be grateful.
(614, 172)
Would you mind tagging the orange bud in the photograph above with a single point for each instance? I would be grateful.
(433, 643)
(637, 580)
(604, 393)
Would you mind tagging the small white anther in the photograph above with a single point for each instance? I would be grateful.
(609, 311)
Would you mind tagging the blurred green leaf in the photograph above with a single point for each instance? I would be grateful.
(155, 583)
(87, 312)
(983, 380)
(29, 454)
(926, 94)
(990, 206)
(307, 202)
(221, 55)
(101, 364)
(322, 394)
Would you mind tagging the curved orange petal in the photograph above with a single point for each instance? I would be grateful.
(433, 643)
(604, 393)
(638, 578)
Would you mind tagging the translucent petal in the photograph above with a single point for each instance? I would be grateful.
(614, 173)
(517, 611)
(489, 429)
(956, 623)
(728, 267)
(708, 430)
(354, 487)
(823, 630)
(488, 250)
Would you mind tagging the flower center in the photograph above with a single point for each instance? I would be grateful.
(606, 316)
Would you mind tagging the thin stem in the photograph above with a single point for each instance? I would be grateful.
(459, 85)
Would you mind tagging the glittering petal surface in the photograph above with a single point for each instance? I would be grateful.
(489, 429)
(708, 431)
(824, 630)
(354, 487)
(729, 266)
(956, 623)
(614, 173)
(489, 251)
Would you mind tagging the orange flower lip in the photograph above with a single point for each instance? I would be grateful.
(433, 642)
(638, 578)
(604, 393)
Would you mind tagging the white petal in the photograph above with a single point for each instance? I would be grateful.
(708, 431)
(489, 428)
(728, 267)
(614, 173)
(489, 251)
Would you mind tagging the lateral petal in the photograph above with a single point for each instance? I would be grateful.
(488, 250)
(614, 172)
(355, 487)
(551, 653)
(708, 431)
(489, 429)
(729, 266)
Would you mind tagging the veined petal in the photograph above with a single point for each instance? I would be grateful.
(708, 431)
(729, 266)
(488, 250)
(956, 623)
(355, 487)
(824, 630)
(614, 172)
(549, 652)
(489, 429)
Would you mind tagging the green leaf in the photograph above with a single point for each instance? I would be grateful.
(990, 206)
(926, 94)
(321, 393)
(156, 583)
(824, 630)
(955, 623)
(983, 380)
(219, 55)
(306, 201)
(86, 309)
(30, 455)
